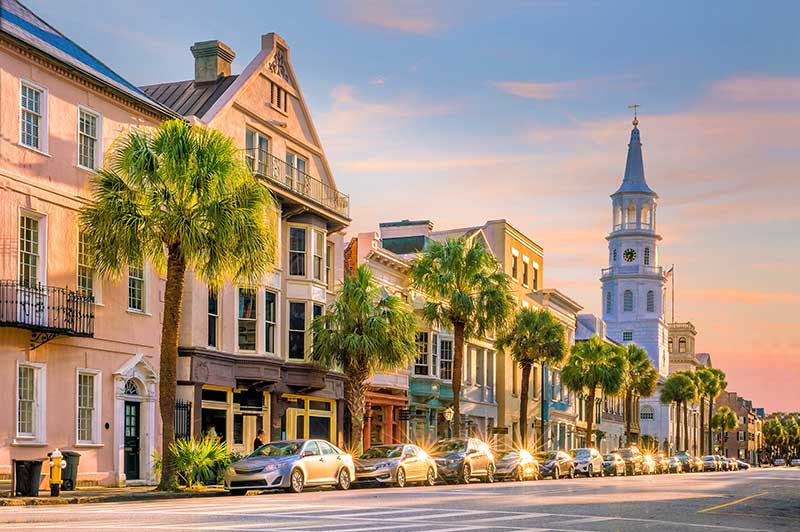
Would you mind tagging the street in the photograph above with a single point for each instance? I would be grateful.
(759, 499)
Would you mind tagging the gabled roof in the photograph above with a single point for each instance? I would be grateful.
(23, 25)
(188, 98)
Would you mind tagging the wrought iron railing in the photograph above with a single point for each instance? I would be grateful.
(183, 419)
(633, 269)
(622, 226)
(46, 309)
(266, 165)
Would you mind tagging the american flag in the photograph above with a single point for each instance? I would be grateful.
(668, 273)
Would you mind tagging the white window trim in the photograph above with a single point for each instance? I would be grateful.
(98, 146)
(276, 336)
(319, 235)
(98, 403)
(43, 129)
(39, 436)
(96, 280)
(145, 291)
(41, 273)
(256, 320)
(308, 229)
(307, 309)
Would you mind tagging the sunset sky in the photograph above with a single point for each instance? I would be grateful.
(462, 112)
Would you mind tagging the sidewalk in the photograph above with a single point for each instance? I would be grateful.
(100, 494)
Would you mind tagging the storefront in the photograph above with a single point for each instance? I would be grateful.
(234, 415)
(382, 423)
(308, 417)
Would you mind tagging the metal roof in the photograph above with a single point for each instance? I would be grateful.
(188, 98)
(22, 24)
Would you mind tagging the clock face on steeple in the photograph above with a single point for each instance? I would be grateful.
(629, 255)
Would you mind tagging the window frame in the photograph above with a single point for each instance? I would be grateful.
(318, 261)
(514, 264)
(259, 161)
(526, 266)
(43, 144)
(646, 256)
(144, 291)
(215, 317)
(98, 139)
(627, 336)
(253, 320)
(294, 333)
(329, 280)
(97, 401)
(446, 362)
(304, 252)
(270, 326)
(422, 361)
(651, 301)
(93, 291)
(41, 243)
(39, 409)
(628, 303)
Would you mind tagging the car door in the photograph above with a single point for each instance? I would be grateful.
(411, 462)
(333, 460)
(474, 454)
(314, 464)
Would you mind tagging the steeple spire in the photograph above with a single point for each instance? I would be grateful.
(634, 167)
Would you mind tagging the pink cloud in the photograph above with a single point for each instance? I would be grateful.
(738, 295)
(759, 89)
(540, 90)
(417, 17)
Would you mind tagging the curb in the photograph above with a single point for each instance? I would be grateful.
(90, 499)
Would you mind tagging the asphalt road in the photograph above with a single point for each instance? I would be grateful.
(760, 499)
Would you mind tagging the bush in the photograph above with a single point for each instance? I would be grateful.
(197, 461)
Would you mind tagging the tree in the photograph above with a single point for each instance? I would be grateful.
(181, 198)
(534, 337)
(713, 393)
(724, 420)
(363, 333)
(641, 379)
(593, 366)
(708, 387)
(774, 435)
(792, 430)
(679, 389)
(466, 291)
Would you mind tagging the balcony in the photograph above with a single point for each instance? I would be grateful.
(633, 226)
(46, 311)
(299, 183)
(633, 269)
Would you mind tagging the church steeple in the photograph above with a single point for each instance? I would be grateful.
(634, 167)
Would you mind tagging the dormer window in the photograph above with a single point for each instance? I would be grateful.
(278, 97)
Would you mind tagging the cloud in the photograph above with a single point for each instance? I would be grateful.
(377, 81)
(432, 162)
(758, 89)
(416, 17)
(540, 91)
(738, 295)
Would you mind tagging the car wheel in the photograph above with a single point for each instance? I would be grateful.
(343, 481)
(296, 481)
(556, 473)
(430, 478)
(589, 471)
(490, 473)
(519, 474)
(571, 472)
(401, 478)
(466, 474)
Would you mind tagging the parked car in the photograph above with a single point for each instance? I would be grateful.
(675, 465)
(555, 464)
(291, 465)
(794, 462)
(710, 463)
(396, 465)
(779, 462)
(698, 463)
(613, 464)
(588, 461)
(744, 465)
(648, 465)
(633, 459)
(731, 464)
(687, 461)
(463, 459)
(662, 461)
(517, 465)
(722, 462)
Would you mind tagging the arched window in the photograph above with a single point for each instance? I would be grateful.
(630, 214)
(651, 301)
(645, 215)
(627, 301)
(615, 255)
(617, 216)
(646, 256)
(671, 345)
(647, 413)
(609, 304)
(682, 345)
(131, 388)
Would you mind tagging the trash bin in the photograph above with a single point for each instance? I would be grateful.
(27, 475)
(69, 477)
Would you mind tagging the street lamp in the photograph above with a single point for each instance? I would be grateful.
(448, 416)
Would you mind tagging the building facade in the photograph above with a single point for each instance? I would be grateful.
(243, 349)
(744, 442)
(78, 354)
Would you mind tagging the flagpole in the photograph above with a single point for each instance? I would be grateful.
(673, 293)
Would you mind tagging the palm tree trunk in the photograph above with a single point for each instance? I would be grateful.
(458, 369)
(710, 415)
(173, 299)
(523, 405)
(702, 424)
(686, 425)
(677, 426)
(590, 417)
(355, 393)
(628, 417)
(543, 402)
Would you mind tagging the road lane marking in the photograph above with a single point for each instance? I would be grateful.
(737, 501)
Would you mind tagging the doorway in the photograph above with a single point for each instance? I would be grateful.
(132, 439)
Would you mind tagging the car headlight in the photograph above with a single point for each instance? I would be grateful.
(271, 467)
(384, 465)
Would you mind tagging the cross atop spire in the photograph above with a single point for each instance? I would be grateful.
(634, 166)
(634, 106)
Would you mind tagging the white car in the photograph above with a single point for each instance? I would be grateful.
(779, 462)
(794, 462)
(588, 461)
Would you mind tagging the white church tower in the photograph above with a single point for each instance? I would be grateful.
(634, 292)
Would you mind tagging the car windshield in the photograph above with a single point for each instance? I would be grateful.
(608, 457)
(625, 453)
(708, 457)
(552, 455)
(383, 451)
(580, 453)
(450, 446)
(281, 448)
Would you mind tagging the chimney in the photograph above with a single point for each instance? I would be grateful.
(212, 59)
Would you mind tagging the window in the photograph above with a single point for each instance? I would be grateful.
(30, 390)
(29, 251)
(627, 301)
(434, 353)
(614, 255)
(88, 407)
(88, 123)
(278, 97)
(319, 254)
(514, 261)
(740, 435)
(535, 284)
(421, 364)
(136, 287)
(256, 151)
(651, 301)
(609, 303)
(646, 256)
(525, 268)
(297, 251)
(316, 311)
(85, 271)
(213, 316)
(480, 367)
(682, 344)
(329, 265)
(446, 353)
(671, 345)
(627, 336)
(297, 162)
(247, 319)
(647, 413)
(270, 311)
(297, 330)
(33, 119)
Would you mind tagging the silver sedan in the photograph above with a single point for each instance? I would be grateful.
(291, 465)
(395, 465)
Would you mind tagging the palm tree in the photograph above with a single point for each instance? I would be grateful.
(534, 337)
(594, 365)
(467, 291)
(181, 198)
(713, 393)
(707, 384)
(774, 435)
(641, 379)
(679, 389)
(363, 333)
(724, 420)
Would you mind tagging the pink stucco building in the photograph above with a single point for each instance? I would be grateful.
(78, 354)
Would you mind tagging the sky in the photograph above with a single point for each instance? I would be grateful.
(463, 112)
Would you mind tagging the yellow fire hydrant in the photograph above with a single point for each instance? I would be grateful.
(57, 463)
